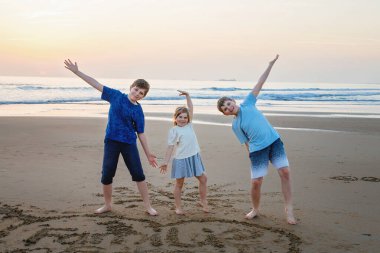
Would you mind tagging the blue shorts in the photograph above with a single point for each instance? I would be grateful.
(130, 153)
(275, 153)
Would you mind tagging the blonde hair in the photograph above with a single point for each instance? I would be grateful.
(178, 111)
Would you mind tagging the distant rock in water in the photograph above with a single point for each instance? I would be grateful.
(227, 80)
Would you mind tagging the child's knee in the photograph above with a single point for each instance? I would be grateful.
(138, 178)
(179, 183)
(284, 173)
(137, 173)
(106, 179)
(257, 182)
(203, 179)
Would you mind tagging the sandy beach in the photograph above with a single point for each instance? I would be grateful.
(50, 170)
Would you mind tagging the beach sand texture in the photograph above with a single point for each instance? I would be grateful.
(50, 170)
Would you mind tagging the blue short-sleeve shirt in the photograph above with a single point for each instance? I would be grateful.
(124, 117)
(250, 126)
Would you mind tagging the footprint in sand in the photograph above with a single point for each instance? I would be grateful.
(370, 179)
(112, 233)
(345, 178)
(348, 179)
(22, 231)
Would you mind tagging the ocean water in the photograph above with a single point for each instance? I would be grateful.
(276, 96)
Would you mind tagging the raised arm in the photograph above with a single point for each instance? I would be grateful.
(91, 81)
(188, 101)
(256, 90)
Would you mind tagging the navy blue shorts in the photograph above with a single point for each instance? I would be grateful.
(275, 153)
(130, 153)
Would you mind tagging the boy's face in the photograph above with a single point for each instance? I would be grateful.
(229, 107)
(136, 93)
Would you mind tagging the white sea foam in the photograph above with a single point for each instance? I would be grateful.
(338, 100)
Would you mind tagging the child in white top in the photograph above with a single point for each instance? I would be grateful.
(186, 160)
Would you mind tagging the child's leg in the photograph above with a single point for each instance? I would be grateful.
(143, 189)
(107, 193)
(110, 160)
(203, 192)
(280, 161)
(287, 192)
(259, 168)
(177, 195)
(255, 197)
(132, 160)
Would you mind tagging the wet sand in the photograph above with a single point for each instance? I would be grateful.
(50, 169)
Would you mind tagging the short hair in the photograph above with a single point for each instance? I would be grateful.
(142, 84)
(178, 111)
(221, 102)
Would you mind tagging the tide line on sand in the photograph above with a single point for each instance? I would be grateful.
(201, 122)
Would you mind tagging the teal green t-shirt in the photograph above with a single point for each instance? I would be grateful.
(250, 126)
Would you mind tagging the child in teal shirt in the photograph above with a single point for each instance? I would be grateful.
(263, 144)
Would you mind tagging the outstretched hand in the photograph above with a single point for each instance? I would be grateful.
(152, 160)
(274, 60)
(71, 66)
(163, 168)
(183, 93)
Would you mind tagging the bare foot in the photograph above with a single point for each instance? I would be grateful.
(151, 211)
(179, 211)
(290, 216)
(252, 214)
(204, 206)
(103, 209)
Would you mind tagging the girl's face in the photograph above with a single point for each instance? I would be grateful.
(182, 119)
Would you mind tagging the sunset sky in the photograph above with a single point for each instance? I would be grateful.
(318, 41)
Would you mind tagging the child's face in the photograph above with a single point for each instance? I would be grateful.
(229, 107)
(136, 93)
(182, 119)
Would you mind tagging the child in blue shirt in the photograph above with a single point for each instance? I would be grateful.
(263, 144)
(125, 119)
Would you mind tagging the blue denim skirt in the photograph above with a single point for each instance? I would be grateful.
(188, 167)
